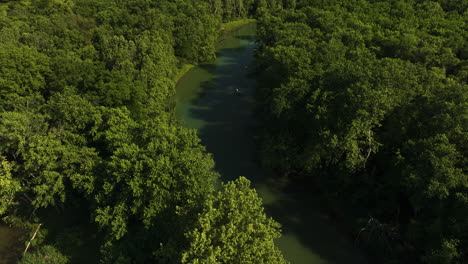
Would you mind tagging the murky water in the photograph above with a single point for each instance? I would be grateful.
(11, 243)
(207, 101)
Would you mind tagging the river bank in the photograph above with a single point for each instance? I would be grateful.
(233, 25)
(223, 31)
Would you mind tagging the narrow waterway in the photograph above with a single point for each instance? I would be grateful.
(207, 101)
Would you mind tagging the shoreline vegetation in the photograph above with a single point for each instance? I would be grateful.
(230, 26)
(225, 28)
(186, 67)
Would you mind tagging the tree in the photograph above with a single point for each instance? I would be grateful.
(155, 169)
(23, 71)
(446, 254)
(44, 255)
(195, 31)
(44, 158)
(9, 186)
(233, 228)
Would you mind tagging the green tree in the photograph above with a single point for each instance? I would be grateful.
(153, 168)
(8, 186)
(44, 255)
(196, 30)
(44, 158)
(233, 228)
(23, 71)
(446, 254)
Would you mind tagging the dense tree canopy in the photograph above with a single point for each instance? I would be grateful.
(363, 100)
(86, 121)
(369, 102)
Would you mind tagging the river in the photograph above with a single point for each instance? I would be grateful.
(206, 101)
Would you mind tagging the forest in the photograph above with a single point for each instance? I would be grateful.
(364, 101)
(94, 165)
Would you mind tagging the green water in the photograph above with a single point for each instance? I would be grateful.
(206, 101)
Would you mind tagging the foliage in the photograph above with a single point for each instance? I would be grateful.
(86, 117)
(44, 255)
(368, 100)
(8, 186)
(166, 158)
(232, 228)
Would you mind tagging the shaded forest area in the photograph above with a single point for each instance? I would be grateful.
(368, 106)
(90, 147)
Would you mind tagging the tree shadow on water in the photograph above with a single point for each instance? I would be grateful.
(246, 37)
(301, 216)
(229, 129)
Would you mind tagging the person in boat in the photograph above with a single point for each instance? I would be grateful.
(237, 91)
